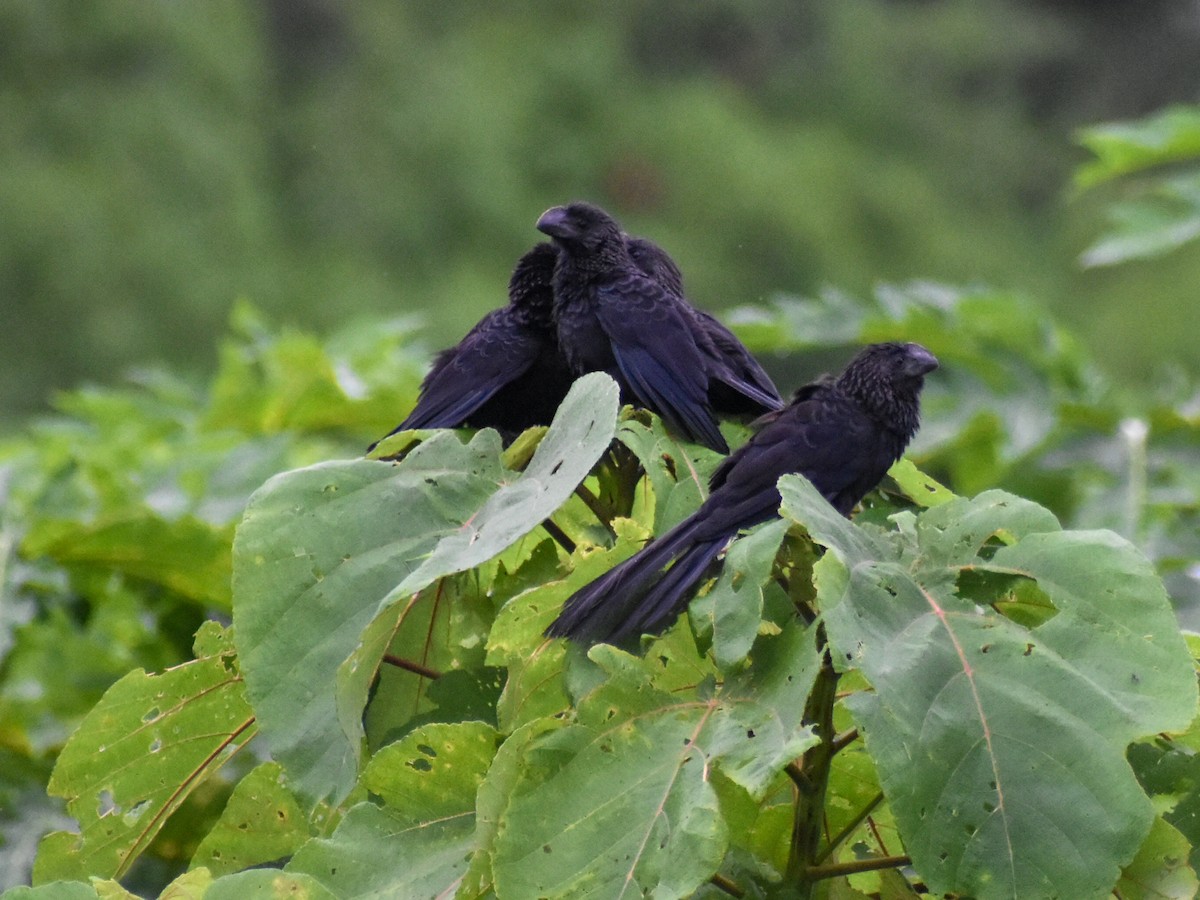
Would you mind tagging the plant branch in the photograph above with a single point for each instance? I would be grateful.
(809, 814)
(592, 502)
(856, 866)
(802, 781)
(728, 886)
(845, 739)
(850, 828)
(560, 536)
(409, 666)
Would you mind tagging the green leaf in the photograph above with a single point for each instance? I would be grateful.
(1149, 225)
(187, 556)
(581, 431)
(1160, 871)
(979, 725)
(1123, 148)
(760, 729)
(188, 886)
(493, 799)
(261, 823)
(418, 843)
(731, 612)
(919, 487)
(317, 551)
(629, 813)
(678, 471)
(55, 890)
(624, 803)
(148, 743)
(803, 503)
(322, 551)
(264, 884)
(1115, 626)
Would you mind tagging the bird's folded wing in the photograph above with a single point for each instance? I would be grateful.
(495, 353)
(657, 354)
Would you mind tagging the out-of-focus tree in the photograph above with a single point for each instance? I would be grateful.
(329, 160)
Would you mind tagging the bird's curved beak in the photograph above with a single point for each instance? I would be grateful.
(555, 223)
(919, 361)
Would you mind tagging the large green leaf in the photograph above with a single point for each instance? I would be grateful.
(1000, 746)
(581, 431)
(623, 804)
(321, 551)
(629, 813)
(148, 743)
(416, 842)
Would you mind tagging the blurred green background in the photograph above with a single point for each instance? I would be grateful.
(330, 160)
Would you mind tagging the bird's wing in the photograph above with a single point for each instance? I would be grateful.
(822, 436)
(735, 366)
(496, 352)
(655, 349)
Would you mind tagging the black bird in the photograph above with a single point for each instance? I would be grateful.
(508, 372)
(614, 318)
(726, 352)
(841, 433)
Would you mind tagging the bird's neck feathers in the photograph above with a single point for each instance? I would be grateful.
(531, 287)
(894, 404)
(533, 308)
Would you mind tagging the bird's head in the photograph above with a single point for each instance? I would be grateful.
(581, 228)
(887, 380)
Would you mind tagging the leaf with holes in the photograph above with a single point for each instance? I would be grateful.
(622, 812)
(261, 823)
(316, 552)
(580, 432)
(148, 743)
(1001, 747)
(623, 804)
(678, 471)
(417, 840)
(321, 551)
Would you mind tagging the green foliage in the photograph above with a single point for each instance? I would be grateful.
(953, 684)
(373, 538)
(158, 164)
(1001, 745)
(143, 748)
(1157, 214)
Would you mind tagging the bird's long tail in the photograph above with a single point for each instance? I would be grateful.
(636, 596)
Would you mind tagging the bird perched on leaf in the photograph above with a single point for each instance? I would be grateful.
(614, 318)
(842, 433)
(508, 372)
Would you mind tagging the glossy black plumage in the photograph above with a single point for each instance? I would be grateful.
(841, 433)
(507, 373)
(614, 318)
(731, 362)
